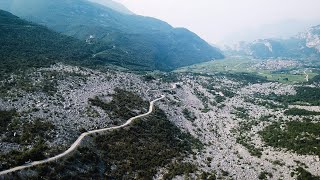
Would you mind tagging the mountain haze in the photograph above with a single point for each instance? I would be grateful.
(303, 45)
(137, 42)
(114, 5)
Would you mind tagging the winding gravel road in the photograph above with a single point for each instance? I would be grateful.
(76, 144)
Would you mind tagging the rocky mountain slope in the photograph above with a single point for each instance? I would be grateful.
(313, 38)
(133, 41)
(222, 126)
(304, 45)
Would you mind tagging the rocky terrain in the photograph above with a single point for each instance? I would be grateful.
(219, 126)
(227, 114)
(64, 99)
(313, 38)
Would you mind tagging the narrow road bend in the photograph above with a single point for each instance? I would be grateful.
(77, 143)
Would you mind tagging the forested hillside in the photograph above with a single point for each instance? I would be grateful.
(137, 42)
(25, 44)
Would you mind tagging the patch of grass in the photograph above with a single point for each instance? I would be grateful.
(286, 77)
(229, 64)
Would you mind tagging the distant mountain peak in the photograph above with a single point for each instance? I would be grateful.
(313, 38)
(303, 45)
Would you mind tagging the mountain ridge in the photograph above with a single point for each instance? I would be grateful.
(114, 5)
(28, 45)
(137, 42)
(303, 45)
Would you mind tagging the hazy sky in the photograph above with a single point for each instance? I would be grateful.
(219, 20)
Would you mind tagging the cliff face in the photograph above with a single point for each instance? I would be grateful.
(304, 45)
(313, 38)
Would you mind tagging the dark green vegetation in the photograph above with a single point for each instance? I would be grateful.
(23, 131)
(300, 137)
(83, 164)
(207, 176)
(266, 103)
(315, 79)
(6, 118)
(30, 132)
(124, 104)
(300, 112)
(131, 41)
(245, 140)
(189, 115)
(203, 98)
(302, 174)
(135, 152)
(169, 77)
(34, 133)
(33, 82)
(165, 77)
(241, 112)
(305, 95)
(16, 158)
(242, 132)
(265, 175)
(25, 45)
(148, 144)
(176, 169)
(25, 82)
(219, 98)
